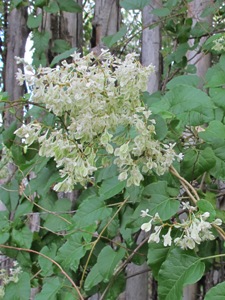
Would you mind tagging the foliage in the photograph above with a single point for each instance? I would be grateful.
(81, 248)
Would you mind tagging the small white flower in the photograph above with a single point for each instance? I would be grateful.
(156, 217)
(205, 215)
(154, 237)
(193, 231)
(207, 235)
(180, 157)
(217, 222)
(167, 238)
(123, 176)
(186, 205)
(147, 226)
(187, 242)
(144, 213)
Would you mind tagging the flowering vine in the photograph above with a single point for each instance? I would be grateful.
(193, 229)
(100, 118)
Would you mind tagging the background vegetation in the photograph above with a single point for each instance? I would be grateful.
(87, 243)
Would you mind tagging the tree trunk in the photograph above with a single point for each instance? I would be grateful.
(201, 60)
(106, 22)
(151, 45)
(17, 33)
(140, 287)
(66, 26)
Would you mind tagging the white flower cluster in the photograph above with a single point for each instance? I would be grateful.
(7, 276)
(219, 44)
(194, 230)
(103, 115)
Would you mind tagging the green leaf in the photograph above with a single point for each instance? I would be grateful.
(161, 12)
(160, 127)
(13, 194)
(215, 136)
(195, 163)
(4, 236)
(62, 56)
(209, 43)
(93, 278)
(107, 262)
(90, 211)
(45, 264)
(217, 96)
(22, 237)
(23, 209)
(117, 288)
(190, 80)
(219, 151)
(200, 29)
(106, 173)
(50, 289)
(189, 104)
(206, 206)
(156, 198)
(40, 3)
(16, 3)
(171, 3)
(215, 77)
(37, 113)
(8, 134)
(179, 269)
(133, 193)
(110, 40)
(4, 219)
(209, 10)
(39, 59)
(111, 187)
(126, 219)
(179, 56)
(59, 219)
(18, 290)
(70, 295)
(34, 21)
(60, 46)
(69, 6)
(191, 69)
(71, 252)
(216, 293)
(215, 130)
(134, 4)
(44, 180)
(41, 40)
(157, 254)
(52, 8)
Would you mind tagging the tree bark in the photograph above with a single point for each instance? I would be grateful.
(17, 33)
(66, 26)
(201, 60)
(151, 45)
(106, 22)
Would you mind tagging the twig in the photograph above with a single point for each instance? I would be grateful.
(186, 185)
